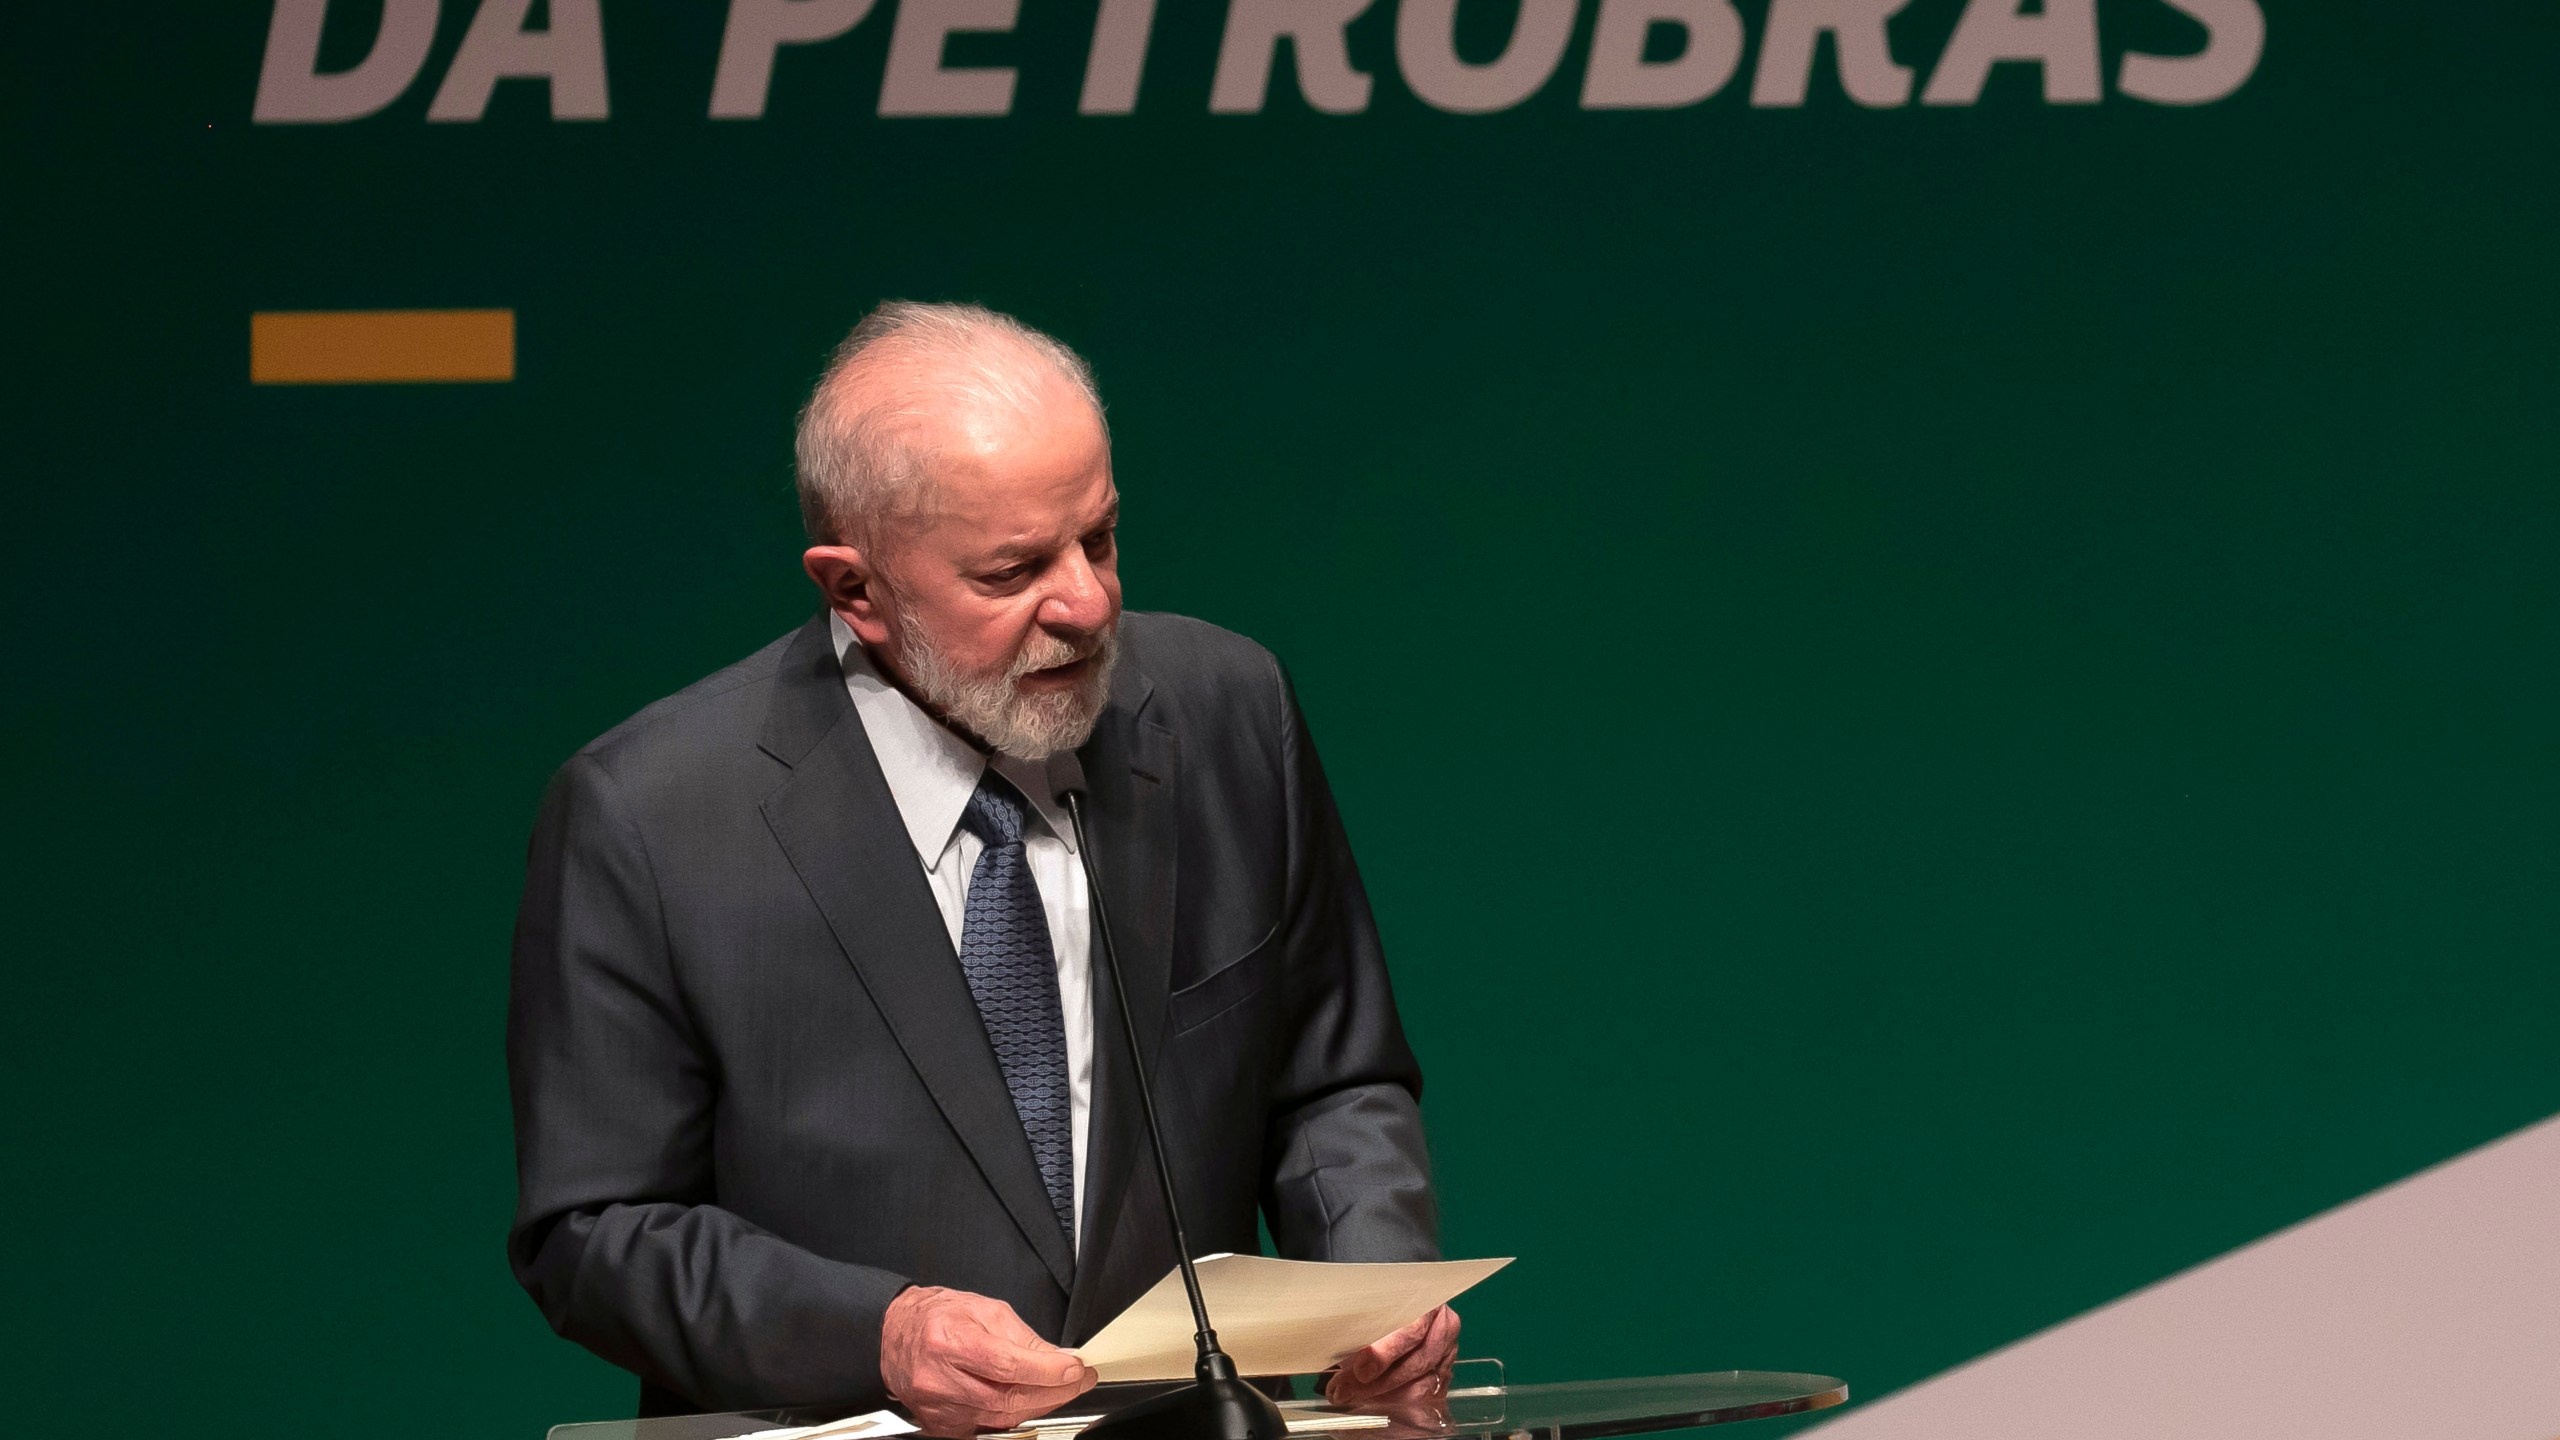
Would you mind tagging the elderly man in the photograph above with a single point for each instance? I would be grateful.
(818, 1100)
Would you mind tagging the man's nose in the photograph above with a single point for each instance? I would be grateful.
(1080, 601)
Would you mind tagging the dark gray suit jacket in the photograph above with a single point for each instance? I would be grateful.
(753, 1097)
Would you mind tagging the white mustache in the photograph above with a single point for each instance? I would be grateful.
(1047, 652)
(993, 706)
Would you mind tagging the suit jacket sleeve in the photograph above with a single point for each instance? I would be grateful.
(618, 1234)
(1347, 1175)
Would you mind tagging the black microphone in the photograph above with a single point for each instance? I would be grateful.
(1216, 1405)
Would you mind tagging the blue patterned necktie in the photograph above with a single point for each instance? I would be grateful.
(1013, 974)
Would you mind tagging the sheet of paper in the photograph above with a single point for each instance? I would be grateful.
(1276, 1317)
(878, 1425)
(1305, 1421)
(1300, 1415)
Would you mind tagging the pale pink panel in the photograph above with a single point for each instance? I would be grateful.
(2429, 1310)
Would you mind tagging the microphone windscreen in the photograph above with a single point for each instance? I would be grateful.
(1066, 773)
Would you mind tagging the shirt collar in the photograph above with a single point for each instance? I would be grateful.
(931, 771)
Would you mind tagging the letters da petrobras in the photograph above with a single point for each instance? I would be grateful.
(1641, 54)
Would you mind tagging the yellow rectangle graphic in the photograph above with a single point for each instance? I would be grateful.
(381, 347)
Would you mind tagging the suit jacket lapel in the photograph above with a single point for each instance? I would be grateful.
(1131, 772)
(836, 820)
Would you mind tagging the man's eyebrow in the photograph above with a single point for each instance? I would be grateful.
(1012, 550)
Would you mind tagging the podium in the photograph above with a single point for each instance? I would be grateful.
(1478, 1406)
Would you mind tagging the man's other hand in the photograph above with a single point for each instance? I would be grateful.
(962, 1363)
(1413, 1362)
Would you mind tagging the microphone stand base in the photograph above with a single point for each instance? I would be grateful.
(1211, 1408)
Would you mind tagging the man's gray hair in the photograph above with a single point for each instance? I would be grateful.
(860, 467)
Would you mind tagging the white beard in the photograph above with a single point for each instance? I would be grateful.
(993, 708)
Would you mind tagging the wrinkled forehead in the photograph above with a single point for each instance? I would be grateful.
(1010, 479)
(962, 424)
(956, 391)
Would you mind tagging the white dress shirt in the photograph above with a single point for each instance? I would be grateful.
(932, 773)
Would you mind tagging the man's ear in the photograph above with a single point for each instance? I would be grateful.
(850, 587)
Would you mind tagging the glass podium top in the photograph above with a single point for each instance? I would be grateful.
(1579, 1410)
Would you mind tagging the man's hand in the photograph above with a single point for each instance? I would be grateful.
(1413, 1363)
(962, 1363)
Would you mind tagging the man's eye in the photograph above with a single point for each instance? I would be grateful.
(1100, 542)
(1007, 575)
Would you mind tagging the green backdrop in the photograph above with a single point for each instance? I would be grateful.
(1947, 710)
